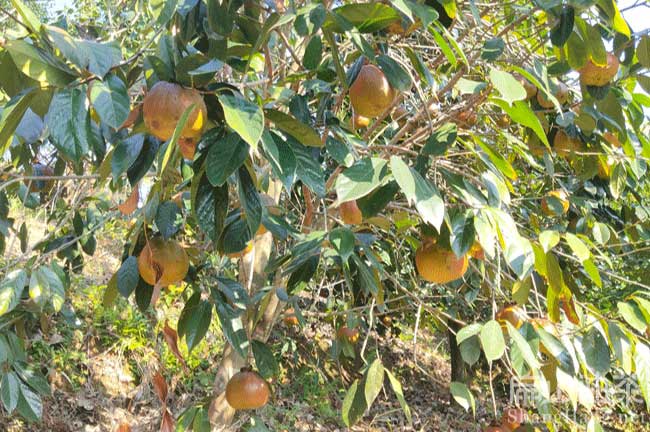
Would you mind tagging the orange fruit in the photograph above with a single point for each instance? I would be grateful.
(163, 261)
(241, 253)
(165, 103)
(359, 121)
(468, 118)
(438, 265)
(371, 93)
(188, 147)
(530, 88)
(561, 93)
(40, 170)
(350, 213)
(564, 145)
(247, 390)
(561, 196)
(612, 139)
(513, 418)
(592, 74)
(494, 428)
(512, 314)
(348, 334)
(290, 318)
(476, 251)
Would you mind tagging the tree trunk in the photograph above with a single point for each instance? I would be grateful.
(253, 277)
(458, 370)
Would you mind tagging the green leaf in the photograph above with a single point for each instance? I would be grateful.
(373, 382)
(9, 391)
(111, 100)
(521, 112)
(463, 396)
(68, 122)
(304, 134)
(45, 286)
(549, 239)
(96, 57)
(621, 345)
(467, 332)
(12, 113)
(399, 393)
(313, 53)
(470, 350)
(244, 117)
(594, 425)
(281, 158)
(366, 17)
(11, 289)
(395, 73)
(33, 377)
(29, 405)
(353, 405)
(511, 90)
(125, 154)
(440, 140)
(643, 51)
(128, 276)
(580, 250)
(173, 141)
(499, 161)
(210, 206)
(168, 219)
(633, 315)
(162, 10)
(492, 341)
(601, 233)
(420, 67)
(492, 49)
(419, 191)
(596, 352)
(225, 156)
(250, 200)
(29, 18)
(562, 30)
(37, 64)
(265, 361)
(360, 179)
(195, 318)
(342, 239)
(524, 348)
(642, 369)
(462, 233)
(233, 328)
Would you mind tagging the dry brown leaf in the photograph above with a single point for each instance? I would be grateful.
(160, 386)
(131, 204)
(167, 423)
(171, 337)
(124, 427)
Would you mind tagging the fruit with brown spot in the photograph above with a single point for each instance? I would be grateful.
(188, 147)
(163, 262)
(595, 75)
(247, 390)
(439, 265)
(350, 213)
(550, 209)
(348, 334)
(371, 93)
(164, 105)
(612, 139)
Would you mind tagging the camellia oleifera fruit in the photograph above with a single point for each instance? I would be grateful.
(552, 209)
(188, 147)
(595, 75)
(164, 105)
(566, 146)
(513, 417)
(247, 390)
(439, 265)
(40, 170)
(371, 93)
(348, 334)
(359, 121)
(512, 314)
(350, 213)
(290, 319)
(561, 93)
(163, 262)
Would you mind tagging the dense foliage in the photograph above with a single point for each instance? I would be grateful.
(483, 164)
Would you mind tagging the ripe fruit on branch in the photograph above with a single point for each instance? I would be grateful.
(565, 146)
(350, 213)
(512, 314)
(188, 147)
(561, 93)
(468, 118)
(530, 88)
(496, 428)
(595, 75)
(163, 262)
(438, 265)
(513, 418)
(165, 103)
(40, 170)
(290, 319)
(476, 251)
(612, 139)
(348, 334)
(247, 390)
(359, 121)
(371, 93)
(559, 206)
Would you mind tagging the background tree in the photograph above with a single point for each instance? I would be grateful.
(469, 166)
